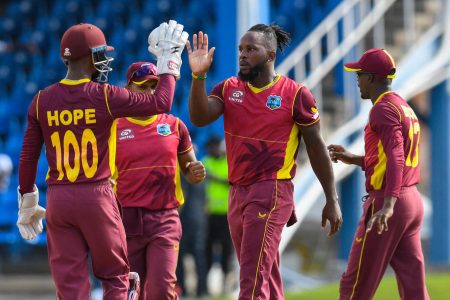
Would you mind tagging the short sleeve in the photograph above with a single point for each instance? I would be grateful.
(185, 139)
(217, 91)
(304, 110)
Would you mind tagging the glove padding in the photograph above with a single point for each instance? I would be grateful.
(31, 214)
(135, 286)
(167, 42)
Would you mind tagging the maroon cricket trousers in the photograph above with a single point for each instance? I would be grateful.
(153, 239)
(257, 215)
(399, 247)
(84, 219)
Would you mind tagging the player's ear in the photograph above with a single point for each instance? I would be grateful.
(271, 55)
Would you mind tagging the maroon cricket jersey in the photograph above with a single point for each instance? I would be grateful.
(147, 172)
(391, 138)
(74, 119)
(262, 127)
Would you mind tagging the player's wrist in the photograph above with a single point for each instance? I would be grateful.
(199, 76)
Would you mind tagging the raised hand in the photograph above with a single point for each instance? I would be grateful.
(167, 42)
(200, 58)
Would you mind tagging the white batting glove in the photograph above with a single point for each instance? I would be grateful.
(167, 43)
(31, 214)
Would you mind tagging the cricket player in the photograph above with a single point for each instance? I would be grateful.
(75, 120)
(265, 116)
(388, 232)
(151, 151)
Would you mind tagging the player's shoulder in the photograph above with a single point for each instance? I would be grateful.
(168, 118)
(233, 82)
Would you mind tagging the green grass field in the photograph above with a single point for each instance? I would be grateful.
(438, 288)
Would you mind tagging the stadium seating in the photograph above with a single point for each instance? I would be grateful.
(32, 30)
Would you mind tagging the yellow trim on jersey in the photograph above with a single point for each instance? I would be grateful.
(112, 147)
(360, 256)
(187, 150)
(257, 90)
(350, 69)
(37, 105)
(381, 96)
(264, 238)
(395, 107)
(114, 177)
(289, 160)
(215, 97)
(105, 90)
(309, 124)
(178, 190)
(140, 82)
(256, 139)
(376, 180)
(142, 122)
(295, 98)
(74, 82)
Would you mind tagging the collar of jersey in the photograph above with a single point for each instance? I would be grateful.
(381, 96)
(74, 82)
(259, 90)
(143, 122)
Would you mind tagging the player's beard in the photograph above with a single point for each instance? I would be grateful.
(254, 72)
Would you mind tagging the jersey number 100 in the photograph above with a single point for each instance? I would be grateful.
(62, 154)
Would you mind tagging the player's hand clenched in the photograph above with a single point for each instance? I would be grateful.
(200, 58)
(196, 170)
(337, 152)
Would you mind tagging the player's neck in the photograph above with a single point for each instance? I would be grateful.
(264, 79)
(375, 94)
(77, 75)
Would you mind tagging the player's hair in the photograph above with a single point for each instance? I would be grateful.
(275, 35)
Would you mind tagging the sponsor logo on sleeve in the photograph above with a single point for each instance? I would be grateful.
(126, 134)
(163, 129)
(273, 102)
(315, 112)
(236, 96)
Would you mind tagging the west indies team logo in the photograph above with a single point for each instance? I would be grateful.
(273, 102)
(163, 129)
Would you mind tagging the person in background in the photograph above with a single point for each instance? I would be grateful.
(388, 232)
(6, 168)
(151, 151)
(217, 188)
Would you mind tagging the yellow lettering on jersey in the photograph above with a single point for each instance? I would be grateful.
(77, 115)
(90, 115)
(52, 117)
(67, 117)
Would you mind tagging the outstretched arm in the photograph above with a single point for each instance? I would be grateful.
(202, 110)
(321, 164)
(337, 152)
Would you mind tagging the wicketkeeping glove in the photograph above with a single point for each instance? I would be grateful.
(167, 42)
(31, 214)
